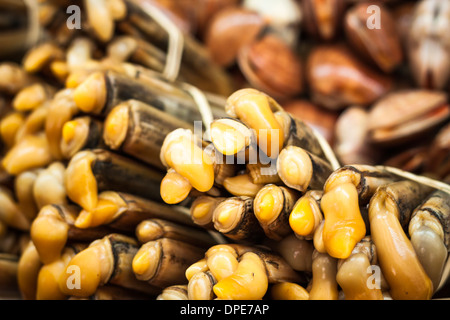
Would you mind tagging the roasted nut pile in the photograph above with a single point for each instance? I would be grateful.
(225, 149)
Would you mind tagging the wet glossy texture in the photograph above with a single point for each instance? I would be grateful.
(339, 79)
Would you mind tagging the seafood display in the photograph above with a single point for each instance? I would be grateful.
(224, 150)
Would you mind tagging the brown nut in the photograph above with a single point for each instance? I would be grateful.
(270, 65)
(380, 45)
(228, 31)
(337, 78)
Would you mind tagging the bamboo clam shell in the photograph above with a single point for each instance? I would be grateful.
(139, 130)
(105, 261)
(410, 160)
(81, 133)
(272, 206)
(389, 210)
(199, 266)
(366, 178)
(302, 170)
(223, 168)
(232, 137)
(201, 210)
(162, 263)
(200, 286)
(104, 90)
(105, 170)
(429, 232)
(408, 195)
(263, 173)
(154, 229)
(154, 58)
(422, 179)
(124, 211)
(197, 58)
(175, 292)
(436, 205)
(137, 49)
(234, 218)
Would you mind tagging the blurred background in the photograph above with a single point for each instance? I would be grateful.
(371, 76)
